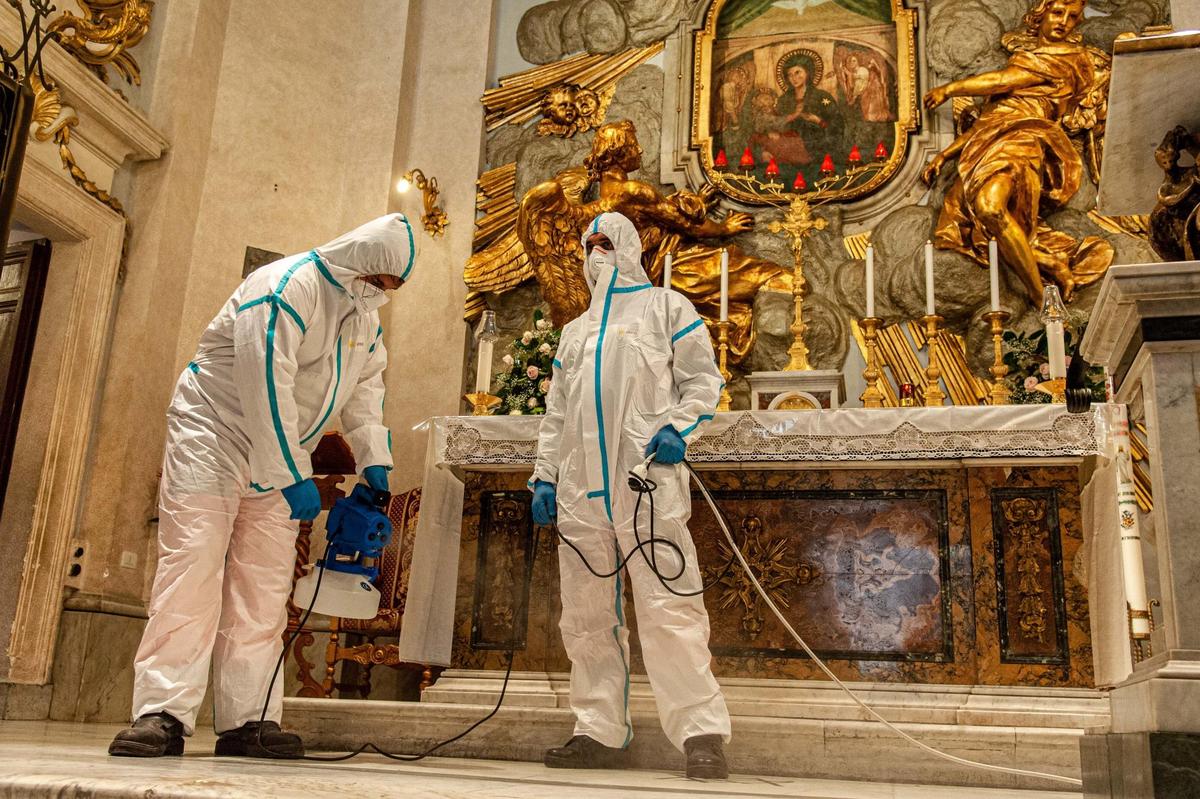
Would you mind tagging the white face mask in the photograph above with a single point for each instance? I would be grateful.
(366, 297)
(598, 262)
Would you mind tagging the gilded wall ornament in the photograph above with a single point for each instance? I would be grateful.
(568, 109)
(104, 34)
(1016, 158)
(552, 215)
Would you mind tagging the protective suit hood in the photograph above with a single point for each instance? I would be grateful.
(626, 256)
(383, 246)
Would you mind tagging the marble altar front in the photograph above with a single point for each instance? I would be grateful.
(912, 546)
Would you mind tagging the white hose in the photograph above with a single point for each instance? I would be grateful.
(962, 761)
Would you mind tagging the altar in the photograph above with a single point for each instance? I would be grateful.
(934, 556)
(912, 545)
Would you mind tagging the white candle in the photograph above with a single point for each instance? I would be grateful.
(724, 285)
(994, 273)
(870, 282)
(667, 272)
(929, 303)
(483, 370)
(1057, 349)
(1128, 514)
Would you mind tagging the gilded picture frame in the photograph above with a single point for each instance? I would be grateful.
(800, 86)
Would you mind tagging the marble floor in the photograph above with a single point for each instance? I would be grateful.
(51, 759)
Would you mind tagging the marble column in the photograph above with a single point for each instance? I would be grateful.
(1146, 330)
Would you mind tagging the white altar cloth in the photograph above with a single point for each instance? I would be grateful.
(866, 436)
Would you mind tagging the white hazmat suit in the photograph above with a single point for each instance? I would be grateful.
(638, 360)
(297, 346)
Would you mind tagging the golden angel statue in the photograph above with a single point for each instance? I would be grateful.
(1017, 157)
(545, 243)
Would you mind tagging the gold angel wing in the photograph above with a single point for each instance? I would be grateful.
(499, 262)
(550, 220)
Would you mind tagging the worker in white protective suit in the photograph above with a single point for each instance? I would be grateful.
(634, 375)
(298, 346)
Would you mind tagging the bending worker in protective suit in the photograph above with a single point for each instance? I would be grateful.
(634, 375)
(297, 346)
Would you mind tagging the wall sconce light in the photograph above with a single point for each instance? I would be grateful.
(434, 219)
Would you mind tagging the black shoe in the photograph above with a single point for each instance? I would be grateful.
(705, 758)
(584, 752)
(271, 742)
(152, 735)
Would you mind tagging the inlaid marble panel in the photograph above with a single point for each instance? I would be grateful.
(890, 574)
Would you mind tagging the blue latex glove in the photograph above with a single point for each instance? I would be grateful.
(668, 446)
(376, 477)
(304, 499)
(545, 503)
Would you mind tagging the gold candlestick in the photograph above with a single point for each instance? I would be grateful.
(934, 396)
(872, 397)
(1000, 390)
(722, 362)
(482, 402)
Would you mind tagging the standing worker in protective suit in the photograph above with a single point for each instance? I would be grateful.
(635, 375)
(297, 346)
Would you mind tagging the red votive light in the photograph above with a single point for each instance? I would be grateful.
(827, 167)
(747, 161)
(772, 169)
(800, 184)
(855, 155)
(721, 161)
(881, 152)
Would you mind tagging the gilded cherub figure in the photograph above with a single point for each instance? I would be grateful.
(546, 241)
(1018, 158)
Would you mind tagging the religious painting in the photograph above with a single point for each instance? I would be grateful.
(866, 573)
(804, 97)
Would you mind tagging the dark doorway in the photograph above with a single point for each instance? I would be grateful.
(22, 282)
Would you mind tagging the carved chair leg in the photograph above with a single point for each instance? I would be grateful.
(364, 688)
(331, 659)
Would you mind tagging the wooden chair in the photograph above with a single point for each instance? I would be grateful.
(393, 586)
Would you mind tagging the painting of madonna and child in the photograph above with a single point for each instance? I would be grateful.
(808, 84)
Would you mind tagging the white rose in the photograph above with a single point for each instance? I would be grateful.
(544, 349)
(508, 360)
(542, 324)
(533, 403)
(516, 412)
(527, 339)
(545, 386)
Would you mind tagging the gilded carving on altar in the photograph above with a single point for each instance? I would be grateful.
(1175, 220)
(798, 92)
(1021, 152)
(1029, 579)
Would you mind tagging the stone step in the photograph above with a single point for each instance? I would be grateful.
(1067, 708)
(794, 729)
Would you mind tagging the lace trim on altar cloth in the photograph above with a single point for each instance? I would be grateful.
(743, 437)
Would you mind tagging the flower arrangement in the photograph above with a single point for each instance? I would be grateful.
(1028, 360)
(530, 363)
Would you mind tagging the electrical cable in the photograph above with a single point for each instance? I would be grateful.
(829, 673)
(369, 746)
